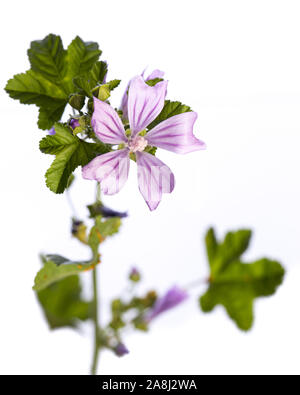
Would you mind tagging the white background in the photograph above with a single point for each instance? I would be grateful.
(237, 63)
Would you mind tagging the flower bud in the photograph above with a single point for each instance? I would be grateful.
(74, 123)
(51, 131)
(78, 230)
(106, 212)
(77, 101)
(104, 92)
(134, 275)
(121, 350)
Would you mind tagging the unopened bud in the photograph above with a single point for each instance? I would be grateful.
(135, 275)
(77, 101)
(74, 123)
(121, 350)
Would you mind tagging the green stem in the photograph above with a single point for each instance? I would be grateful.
(96, 325)
(95, 307)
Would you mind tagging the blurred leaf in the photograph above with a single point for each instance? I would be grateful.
(140, 324)
(56, 268)
(231, 249)
(70, 152)
(62, 303)
(99, 209)
(78, 230)
(102, 229)
(170, 109)
(235, 284)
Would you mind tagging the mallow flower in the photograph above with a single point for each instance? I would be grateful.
(175, 134)
(124, 103)
(171, 299)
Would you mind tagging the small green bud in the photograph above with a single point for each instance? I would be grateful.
(77, 101)
(90, 106)
(84, 121)
(78, 130)
(78, 230)
(135, 275)
(104, 92)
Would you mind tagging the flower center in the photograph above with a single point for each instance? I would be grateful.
(139, 143)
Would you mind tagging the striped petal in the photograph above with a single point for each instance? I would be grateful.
(110, 169)
(107, 124)
(144, 103)
(155, 74)
(124, 103)
(154, 178)
(176, 134)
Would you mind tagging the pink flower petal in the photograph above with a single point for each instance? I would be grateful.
(107, 124)
(144, 103)
(155, 74)
(176, 134)
(124, 103)
(154, 177)
(110, 169)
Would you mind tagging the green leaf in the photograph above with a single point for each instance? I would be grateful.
(62, 303)
(48, 116)
(234, 284)
(113, 84)
(81, 57)
(50, 81)
(77, 101)
(47, 57)
(56, 268)
(211, 245)
(70, 152)
(233, 246)
(90, 82)
(32, 88)
(98, 73)
(102, 229)
(154, 81)
(170, 109)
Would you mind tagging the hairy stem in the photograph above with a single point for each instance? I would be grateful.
(96, 324)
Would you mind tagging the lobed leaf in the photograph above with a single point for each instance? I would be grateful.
(49, 82)
(70, 153)
(102, 229)
(57, 268)
(234, 284)
(47, 57)
(62, 303)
